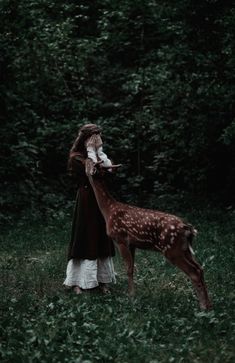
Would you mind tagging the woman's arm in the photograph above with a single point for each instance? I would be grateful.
(102, 156)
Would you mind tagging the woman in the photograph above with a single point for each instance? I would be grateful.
(90, 250)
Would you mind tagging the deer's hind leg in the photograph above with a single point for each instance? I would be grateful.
(200, 286)
(187, 263)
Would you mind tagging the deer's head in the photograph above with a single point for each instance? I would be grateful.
(98, 169)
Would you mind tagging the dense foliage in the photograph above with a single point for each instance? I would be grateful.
(158, 76)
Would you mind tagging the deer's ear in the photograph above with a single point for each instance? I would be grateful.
(89, 167)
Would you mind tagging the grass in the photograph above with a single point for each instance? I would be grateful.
(41, 322)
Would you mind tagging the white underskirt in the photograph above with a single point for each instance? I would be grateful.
(87, 274)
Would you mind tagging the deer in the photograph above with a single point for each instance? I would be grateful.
(132, 227)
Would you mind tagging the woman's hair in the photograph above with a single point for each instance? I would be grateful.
(78, 147)
(84, 133)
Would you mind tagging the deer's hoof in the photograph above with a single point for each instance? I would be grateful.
(207, 306)
(131, 293)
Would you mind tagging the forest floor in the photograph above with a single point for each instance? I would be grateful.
(41, 322)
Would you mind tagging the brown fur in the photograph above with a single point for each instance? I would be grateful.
(132, 227)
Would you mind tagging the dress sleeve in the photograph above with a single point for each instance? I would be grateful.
(78, 171)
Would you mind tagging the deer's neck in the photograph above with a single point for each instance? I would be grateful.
(103, 197)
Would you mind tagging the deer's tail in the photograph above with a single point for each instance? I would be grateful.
(189, 233)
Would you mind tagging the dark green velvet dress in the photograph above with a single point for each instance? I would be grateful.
(88, 239)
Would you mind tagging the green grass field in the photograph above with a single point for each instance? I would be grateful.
(41, 322)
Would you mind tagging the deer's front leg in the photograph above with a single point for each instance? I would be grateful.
(129, 262)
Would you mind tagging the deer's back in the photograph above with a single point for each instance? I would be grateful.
(146, 228)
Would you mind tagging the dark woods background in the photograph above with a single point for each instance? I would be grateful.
(158, 76)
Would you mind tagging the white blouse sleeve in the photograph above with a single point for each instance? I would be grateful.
(103, 157)
(91, 154)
